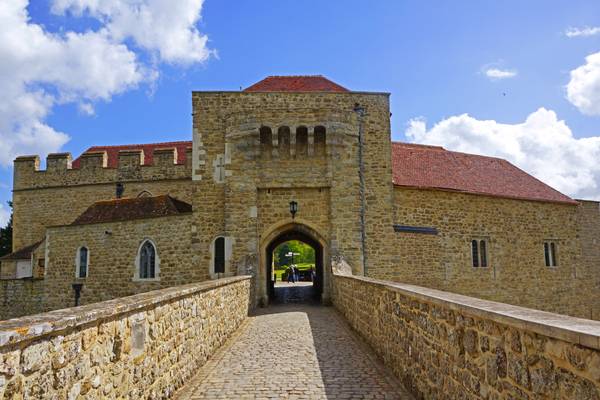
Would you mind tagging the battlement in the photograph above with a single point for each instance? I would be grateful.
(93, 167)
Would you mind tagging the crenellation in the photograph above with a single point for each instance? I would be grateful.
(130, 160)
(165, 157)
(58, 162)
(93, 160)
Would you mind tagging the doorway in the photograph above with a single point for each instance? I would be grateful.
(294, 277)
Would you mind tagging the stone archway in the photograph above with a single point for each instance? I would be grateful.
(284, 233)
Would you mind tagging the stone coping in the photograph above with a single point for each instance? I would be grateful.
(581, 331)
(30, 327)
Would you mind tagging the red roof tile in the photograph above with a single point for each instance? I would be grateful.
(24, 253)
(435, 167)
(307, 83)
(132, 208)
(113, 152)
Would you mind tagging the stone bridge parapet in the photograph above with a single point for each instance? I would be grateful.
(141, 346)
(443, 345)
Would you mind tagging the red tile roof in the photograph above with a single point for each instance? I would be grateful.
(307, 83)
(24, 253)
(132, 208)
(434, 167)
(113, 151)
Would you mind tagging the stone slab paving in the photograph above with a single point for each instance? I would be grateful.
(294, 351)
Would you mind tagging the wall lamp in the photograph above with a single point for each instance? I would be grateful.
(293, 208)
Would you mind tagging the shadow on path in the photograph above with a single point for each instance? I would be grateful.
(295, 293)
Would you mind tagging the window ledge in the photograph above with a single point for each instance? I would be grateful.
(135, 279)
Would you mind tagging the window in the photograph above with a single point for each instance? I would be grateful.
(24, 269)
(219, 255)
(283, 137)
(301, 141)
(550, 254)
(479, 253)
(147, 261)
(83, 258)
(319, 140)
(144, 193)
(266, 142)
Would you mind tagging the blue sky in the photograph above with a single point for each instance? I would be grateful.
(434, 58)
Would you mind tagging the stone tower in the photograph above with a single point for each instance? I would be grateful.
(284, 139)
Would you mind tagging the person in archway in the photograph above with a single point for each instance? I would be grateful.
(290, 274)
(312, 274)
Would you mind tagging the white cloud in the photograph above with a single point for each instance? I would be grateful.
(42, 69)
(166, 27)
(86, 109)
(4, 215)
(584, 32)
(497, 73)
(583, 90)
(542, 145)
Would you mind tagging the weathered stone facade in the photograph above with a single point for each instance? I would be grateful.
(139, 347)
(448, 346)
(262, 177)
(113, 249)
(515, 231)
(57, 195)
(255, 152)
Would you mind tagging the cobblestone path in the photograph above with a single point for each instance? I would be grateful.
(292, 351)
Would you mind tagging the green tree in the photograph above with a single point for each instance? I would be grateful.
(6, 235)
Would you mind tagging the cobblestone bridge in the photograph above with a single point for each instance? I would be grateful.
(294, 350)
(204, 341)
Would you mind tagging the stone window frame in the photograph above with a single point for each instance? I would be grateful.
(78, 262)
(228, 253)
(551, 258)
(486, 247)
(136, 276)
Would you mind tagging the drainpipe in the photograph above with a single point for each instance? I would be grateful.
(360, 112)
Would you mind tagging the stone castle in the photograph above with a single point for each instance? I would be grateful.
(121, 220)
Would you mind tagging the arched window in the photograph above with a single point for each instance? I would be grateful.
(479, 252)
(82, 262)
(266, 142)
(283, 136)
(144, 193)
(301, 141)
(319, 140)
(148, 261)
(219, 254)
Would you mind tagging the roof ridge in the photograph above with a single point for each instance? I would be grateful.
(419, 145)
(113, 146)
(297, 76)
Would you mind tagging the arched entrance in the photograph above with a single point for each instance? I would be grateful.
(288, 232)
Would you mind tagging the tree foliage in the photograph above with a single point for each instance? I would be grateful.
(306, 254)
(6, 235)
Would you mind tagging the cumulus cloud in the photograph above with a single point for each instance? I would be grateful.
(542, 145)
(41, 69)
(497, 73)
(583, 89)
(166, 27)
(582, 32)
(4, 215)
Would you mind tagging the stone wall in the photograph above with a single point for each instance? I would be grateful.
(515, 231)
(113, 249)
(21, 297)
(234, 173)
(139, 347)
(589, 233)
(59, 194)
(448, 346)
